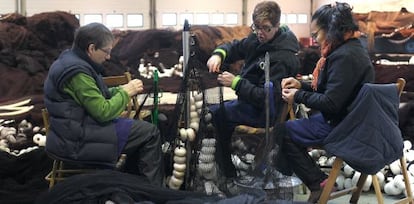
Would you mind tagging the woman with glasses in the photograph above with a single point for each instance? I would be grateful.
(249, 107)
(84, 114)
(343, 68)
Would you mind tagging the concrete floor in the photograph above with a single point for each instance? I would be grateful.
(299, 196)
(366, 197)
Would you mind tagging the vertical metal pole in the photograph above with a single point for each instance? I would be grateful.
(186, 55)
(153, 14)
(17, 6)
(244, 12)
(20, 7)
(23, 10)
(186, 74)
(155, 108)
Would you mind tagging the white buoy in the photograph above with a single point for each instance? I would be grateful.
(191, 134)
(183, 134)
(395, 167)
(348, 170)
(194, 125)
(340, 181)
(381, 179)
(407, 145)
(348, 183)
(391, 189)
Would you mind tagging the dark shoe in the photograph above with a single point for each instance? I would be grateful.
(229, 187)
(316, 194)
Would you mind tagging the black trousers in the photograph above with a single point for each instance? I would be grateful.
(224, 131)
(294, 158)
(144, 154)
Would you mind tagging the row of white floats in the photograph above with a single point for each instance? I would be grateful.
(390, 178)
(206, 158)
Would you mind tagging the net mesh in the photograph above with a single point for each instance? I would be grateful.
(203, 175)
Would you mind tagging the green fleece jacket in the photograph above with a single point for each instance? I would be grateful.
(83, 89)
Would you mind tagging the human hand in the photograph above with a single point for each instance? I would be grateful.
(214, 63)
(225, 78)
(288, 83)
(288, 95)
(133, 87)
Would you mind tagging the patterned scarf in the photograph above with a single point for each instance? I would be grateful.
(325, 50)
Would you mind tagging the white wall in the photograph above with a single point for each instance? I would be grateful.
(289, 7)
(7, 6)
(226, 6)
(105, 7)
(197, 7)
(90, 7)
(364, 6)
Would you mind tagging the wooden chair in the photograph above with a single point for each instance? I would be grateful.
(327, 193)
(60, 169)
(112, 81)
(288, 113)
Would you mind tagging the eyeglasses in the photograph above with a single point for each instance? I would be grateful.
(314, 35)
(263, 28)
(108, 51)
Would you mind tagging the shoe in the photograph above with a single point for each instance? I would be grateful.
(229, 187)
(316, 194)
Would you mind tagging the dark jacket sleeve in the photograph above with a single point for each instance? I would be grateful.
(340, 72)
(250, 88)
(235, 50)
(255, 95)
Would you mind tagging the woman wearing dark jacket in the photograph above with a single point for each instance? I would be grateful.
(249, 108)
(84, 114)
(340, 73)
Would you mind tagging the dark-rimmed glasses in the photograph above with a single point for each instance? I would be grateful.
(108, 52)
(314, 35)
(263, 28)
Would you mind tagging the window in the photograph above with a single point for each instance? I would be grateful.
(115, 20)
(217, 19)
(92, 18)
(135, 20)
(291, 18)
(302, 18)
(283, 18)
(202, 19)
(169, 19)
(231, 19)
(186, 16)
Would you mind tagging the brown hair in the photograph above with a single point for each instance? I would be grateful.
(266, 10)
(93, 33)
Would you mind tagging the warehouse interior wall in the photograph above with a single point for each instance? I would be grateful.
(153, 13)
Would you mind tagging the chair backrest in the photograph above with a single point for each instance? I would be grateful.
(112, 81)
(400, 85)
(45, 117)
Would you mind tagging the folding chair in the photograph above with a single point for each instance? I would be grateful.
(63, 169)
(327, 193)
(112, 81)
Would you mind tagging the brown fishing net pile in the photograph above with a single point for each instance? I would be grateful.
(28, 46)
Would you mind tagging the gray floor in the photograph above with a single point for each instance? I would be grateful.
(366, 198)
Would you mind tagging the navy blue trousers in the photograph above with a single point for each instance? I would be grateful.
(225, 119)
(298, 136)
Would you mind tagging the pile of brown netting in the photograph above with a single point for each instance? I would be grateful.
(28, 46)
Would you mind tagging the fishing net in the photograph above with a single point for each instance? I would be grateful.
(191, 115)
